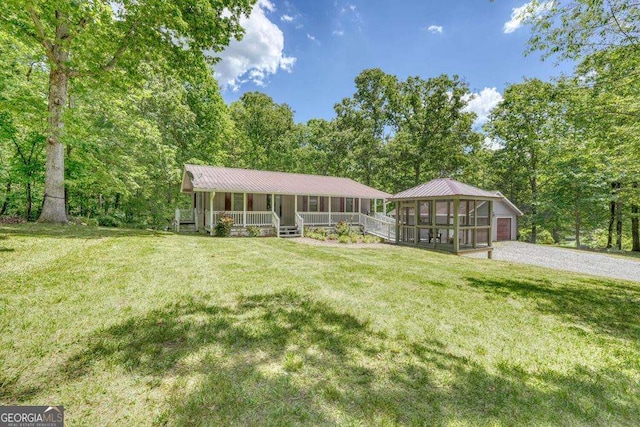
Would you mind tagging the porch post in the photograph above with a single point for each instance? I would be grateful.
(398, 207)
(434, 222)
(474, 236)
(273, 203)
(211, 196)
(490, 224)
(384, 206)
(416, 220)
(295, 203)
(329, 211)
(244, 209)
(456, 225)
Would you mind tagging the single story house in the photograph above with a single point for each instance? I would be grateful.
(276, 202)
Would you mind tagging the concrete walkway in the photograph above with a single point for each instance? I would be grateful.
(597, 264)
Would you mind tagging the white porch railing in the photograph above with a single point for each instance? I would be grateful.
(378, 227)
(315, 218)
(254, 218)
(349, 217)
(329, 219)
(184, 216)
(276, 222)
(383, 217)
(300, 223)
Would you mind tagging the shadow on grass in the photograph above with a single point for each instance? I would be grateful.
(606, 306)
(279, 359)
(74, 231)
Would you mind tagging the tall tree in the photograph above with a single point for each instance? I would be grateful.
(86, 40)
(434, 134)
(522, 123)
(264, 131)
(365, 117)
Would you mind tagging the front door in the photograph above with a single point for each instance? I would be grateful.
(285, 208)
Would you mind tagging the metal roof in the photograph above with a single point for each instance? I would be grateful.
(443, 187)
(213, 178)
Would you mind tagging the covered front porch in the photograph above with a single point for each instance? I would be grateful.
(284, 214)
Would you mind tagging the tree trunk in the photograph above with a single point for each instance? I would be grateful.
(635, 223)
(29, 202)
(619, 225)
(612, 215)
(577, 230)
(534, 209)
(5, 204)
(53, 208)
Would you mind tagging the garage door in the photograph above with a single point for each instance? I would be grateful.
(504, 229)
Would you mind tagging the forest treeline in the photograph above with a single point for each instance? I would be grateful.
(566, 152)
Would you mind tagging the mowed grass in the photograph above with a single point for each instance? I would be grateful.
(125, 327)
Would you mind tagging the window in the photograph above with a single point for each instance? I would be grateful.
(313, 203)
(269, 202)
(348, 204)
(238, 202)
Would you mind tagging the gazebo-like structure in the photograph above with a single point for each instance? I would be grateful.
(445, 214)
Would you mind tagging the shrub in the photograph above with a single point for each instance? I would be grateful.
(223, 226)
(542, 236)
(11, 219)
(354, 238)
(108, 221)
(344, 239)
(371, 239)
(342, 228)
(332, 236)
(254, 231)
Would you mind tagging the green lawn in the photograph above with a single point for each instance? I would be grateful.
(125, 327)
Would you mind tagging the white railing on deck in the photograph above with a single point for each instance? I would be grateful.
(300, 223)
(383, 217)
(378, 227)
(349, 217)
(276, 222)
(329, 219)
(185, 216)
(315, 218)
(254, 218)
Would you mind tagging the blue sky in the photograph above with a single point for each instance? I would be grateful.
(307, 53)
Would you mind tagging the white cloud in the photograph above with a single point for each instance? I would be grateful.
(259, 54)
(528, 10)
(435, 29)
(286, 18)
(338, 33)
(482, 103)
(313, 38)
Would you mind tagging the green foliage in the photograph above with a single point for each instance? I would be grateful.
(223, 226)
(109, 221)
(254, 231)
(368, 238)
(544, 237)
(343, 228)
(345, 238)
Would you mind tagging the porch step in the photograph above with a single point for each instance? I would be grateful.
(289, 231)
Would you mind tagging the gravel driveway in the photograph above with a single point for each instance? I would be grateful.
(615, 267)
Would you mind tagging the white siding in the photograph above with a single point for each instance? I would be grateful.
(502, 210)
